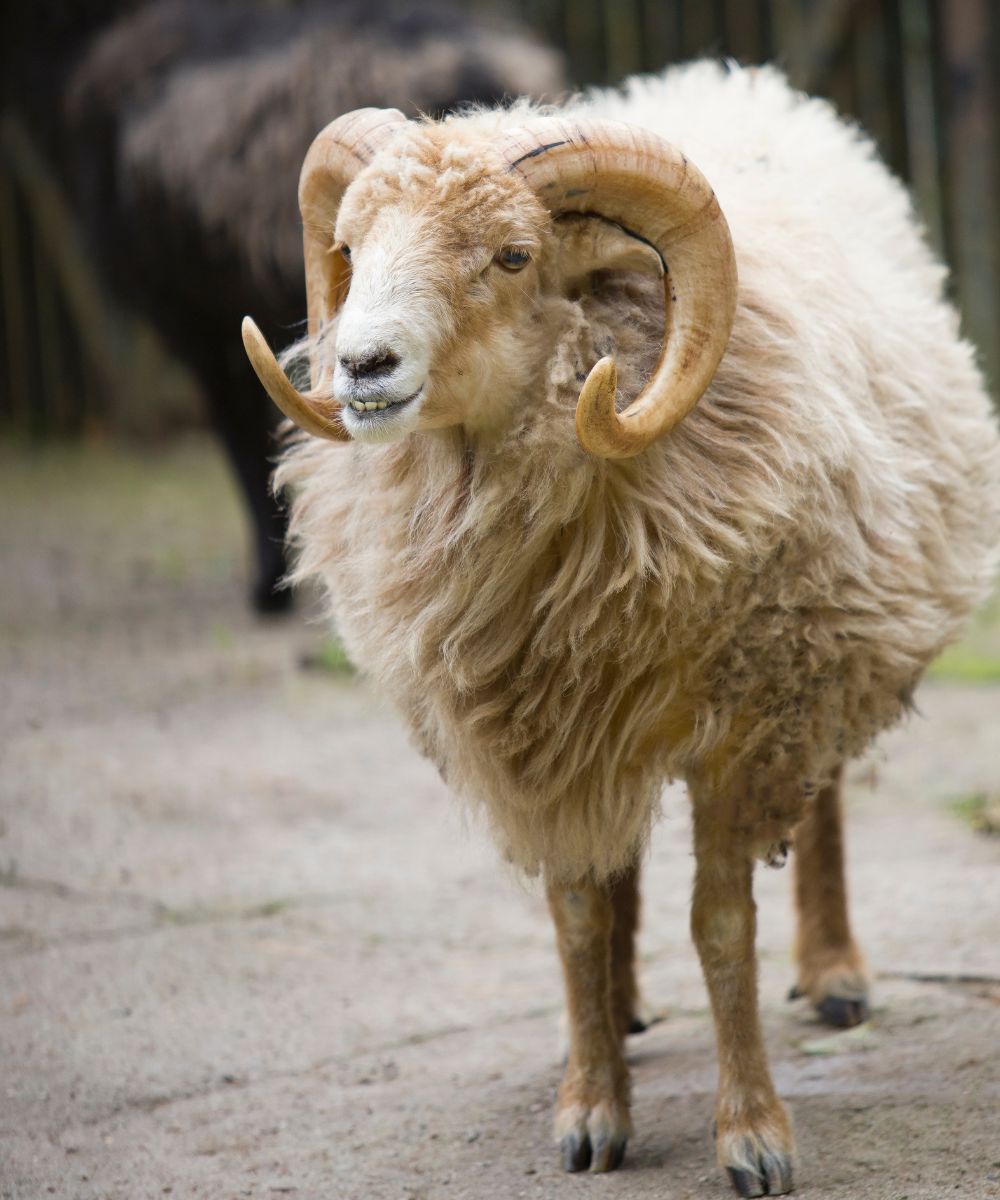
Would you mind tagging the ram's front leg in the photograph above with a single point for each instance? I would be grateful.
(831, 968)
(592, 1122)
(753, 1134)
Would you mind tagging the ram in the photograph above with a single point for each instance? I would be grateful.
(648, 470)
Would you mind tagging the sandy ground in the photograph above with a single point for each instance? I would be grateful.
(248, 948)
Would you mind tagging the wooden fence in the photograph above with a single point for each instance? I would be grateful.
(72, 361)
(918, 74)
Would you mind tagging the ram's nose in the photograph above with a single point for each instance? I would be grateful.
(370, 365)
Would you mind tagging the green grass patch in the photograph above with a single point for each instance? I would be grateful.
(980, 811)
(223, 637)
(331, 657)
(961, 664)
(976, 658)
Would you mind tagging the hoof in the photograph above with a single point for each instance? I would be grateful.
(771, 1176)
(592, 1139)
(576, 1152)
(579, 1154)
(640, 1017)
(758, 1160)
(839, 994)
(843, 1013)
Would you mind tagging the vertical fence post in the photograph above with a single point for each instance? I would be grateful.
(971, 171)
(920, 103)
(15, 327)
(621, 23)
(585, 41)
(52, 396)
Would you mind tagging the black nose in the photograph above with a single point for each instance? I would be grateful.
(380, 362)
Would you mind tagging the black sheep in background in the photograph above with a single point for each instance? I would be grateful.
(180, 129)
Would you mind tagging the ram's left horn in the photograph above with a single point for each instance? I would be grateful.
(303, 409)
(634, 178)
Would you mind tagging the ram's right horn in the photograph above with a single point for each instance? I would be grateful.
(304, 409)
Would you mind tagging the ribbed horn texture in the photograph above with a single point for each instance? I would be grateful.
(631, 176)
(337, 154)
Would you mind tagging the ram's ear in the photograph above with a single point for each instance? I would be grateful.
(590, 243)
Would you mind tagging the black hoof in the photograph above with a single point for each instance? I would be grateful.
(580, 1154)
(608, 1156)
(576, 1152)
(745, 1183)
(773, 1177)
(842, 1013)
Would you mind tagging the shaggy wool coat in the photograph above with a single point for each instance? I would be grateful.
(758, 592)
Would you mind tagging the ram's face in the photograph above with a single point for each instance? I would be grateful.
(432, 252)
(448, 258)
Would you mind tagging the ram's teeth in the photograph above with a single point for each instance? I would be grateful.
(358, 405)
(370, 405)
(382, 404)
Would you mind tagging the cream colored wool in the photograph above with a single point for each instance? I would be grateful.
(759, 591)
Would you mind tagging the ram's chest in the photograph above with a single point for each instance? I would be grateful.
(544, 697)
(557, 657)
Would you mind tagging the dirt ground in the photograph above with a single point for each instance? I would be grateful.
(248, 947)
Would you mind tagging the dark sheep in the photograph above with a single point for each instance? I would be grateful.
(187, 122)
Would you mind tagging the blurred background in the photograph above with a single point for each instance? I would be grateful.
(150, 152)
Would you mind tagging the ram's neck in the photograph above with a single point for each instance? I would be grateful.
(527, 550)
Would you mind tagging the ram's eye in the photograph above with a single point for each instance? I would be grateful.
(346, 252)
(513, 258)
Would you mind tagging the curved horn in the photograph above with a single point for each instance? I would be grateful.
(635, 178)
(336, 155)
(304, 409)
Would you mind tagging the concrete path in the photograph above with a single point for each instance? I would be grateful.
(249, 949)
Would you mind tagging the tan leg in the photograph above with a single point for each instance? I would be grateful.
(592, 1122)
(753, 1134)
(626, 1004)
(831, 967)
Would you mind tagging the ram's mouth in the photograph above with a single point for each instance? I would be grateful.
(366, 408)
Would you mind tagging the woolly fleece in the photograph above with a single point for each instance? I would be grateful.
(745, 604)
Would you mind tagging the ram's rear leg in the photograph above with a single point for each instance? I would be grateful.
(754, 1141)
(592, 1121)
(631, 1013)
(831, 967)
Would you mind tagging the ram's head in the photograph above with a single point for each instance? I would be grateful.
(432, 245)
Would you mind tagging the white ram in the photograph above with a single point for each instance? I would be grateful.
(732, 568)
